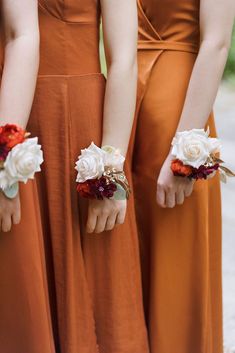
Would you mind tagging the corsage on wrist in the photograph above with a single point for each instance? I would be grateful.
(100, 174)
(194, 155)
(20, 158)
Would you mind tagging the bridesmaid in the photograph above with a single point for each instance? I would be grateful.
(183, 47)
(94, 285)
(24, 320)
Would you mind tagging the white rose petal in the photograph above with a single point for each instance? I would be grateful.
(23, 161)
(90, 164)
(215, 145)
(113, 157)
(194, 147)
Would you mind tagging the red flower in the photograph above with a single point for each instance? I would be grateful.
(85, 191)
(3, 153)
(11, 135)
(179, 169)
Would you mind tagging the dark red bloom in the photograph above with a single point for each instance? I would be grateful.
(203, 171)
(97, 189)
(3, 153)
(11, 135)
(103, 188)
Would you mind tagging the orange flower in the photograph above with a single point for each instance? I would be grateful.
(179, 169)
(11, 135)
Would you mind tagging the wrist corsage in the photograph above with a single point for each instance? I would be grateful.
(100, 174)
(20, 158)
(194, 155)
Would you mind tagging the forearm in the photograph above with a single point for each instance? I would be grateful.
(203, 86)
(19, 79)
(119, 105)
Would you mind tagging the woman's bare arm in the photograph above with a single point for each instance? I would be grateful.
(120, 39)
(18, 80)
(216, 23)
(21, 61)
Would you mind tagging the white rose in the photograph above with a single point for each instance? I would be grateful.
(23, 161)
(113, 157)
(90, 164)
(194, 147)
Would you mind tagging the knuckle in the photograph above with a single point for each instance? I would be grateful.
(169, 187)
(160, 185)
(93, 211)
(105, 213)
(114, 210)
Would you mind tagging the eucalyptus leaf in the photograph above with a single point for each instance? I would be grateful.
(11, 191)
(120, 194)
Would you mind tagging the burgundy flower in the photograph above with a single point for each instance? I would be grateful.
(102, 188)
(97, 189)
(203, 171)
(4, 150)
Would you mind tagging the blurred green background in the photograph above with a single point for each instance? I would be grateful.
(229, 72)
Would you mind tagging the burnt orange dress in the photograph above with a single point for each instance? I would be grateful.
(94, 283)
(180, 247)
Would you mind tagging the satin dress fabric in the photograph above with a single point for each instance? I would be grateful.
(88, 298)
(180, 247)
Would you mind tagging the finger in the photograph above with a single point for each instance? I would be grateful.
(189, 189)
(16, 217)
(6, 223)
(91, 221)
(101, 223)
(161, 197)
(121, 217)
(170, 199)
(180, 198)
(111, 221)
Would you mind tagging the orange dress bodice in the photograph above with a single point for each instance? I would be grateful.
(69, 33)
(176, 21)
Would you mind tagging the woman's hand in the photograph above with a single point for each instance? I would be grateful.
(9, 212)
(103, 215)
(172, 190)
